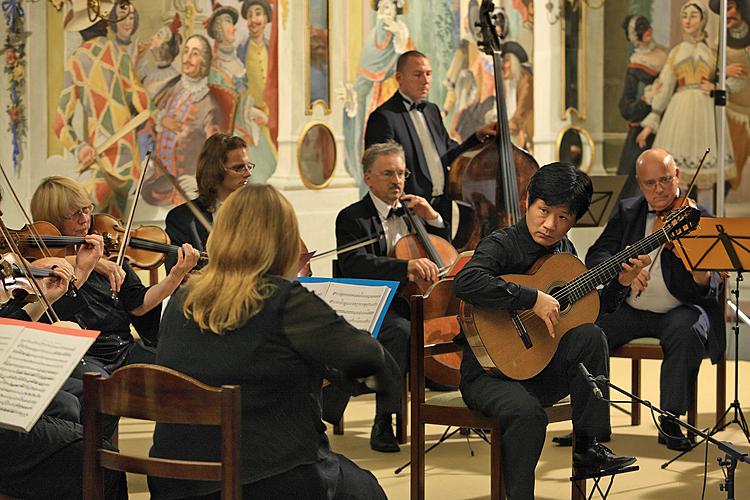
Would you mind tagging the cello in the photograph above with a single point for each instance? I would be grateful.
(492, 178)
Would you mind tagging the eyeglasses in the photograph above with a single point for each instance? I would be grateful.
(78, 213)
(240, 169)
(387, 174)
(664, 182)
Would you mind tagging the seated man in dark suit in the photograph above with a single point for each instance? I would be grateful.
(684, 310)
(418, 126)
(222, 168)
(377, 215)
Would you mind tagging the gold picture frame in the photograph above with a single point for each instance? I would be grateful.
(575, 145)
(316, 155)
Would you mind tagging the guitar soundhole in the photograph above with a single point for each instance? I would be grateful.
(561, 297)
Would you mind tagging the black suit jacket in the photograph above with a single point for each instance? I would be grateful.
(391, 120)
(183, 227)
(627, 226)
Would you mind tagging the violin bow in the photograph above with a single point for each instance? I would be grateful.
(49, 310)
(126, 239)
(35, 234)
(197, 213)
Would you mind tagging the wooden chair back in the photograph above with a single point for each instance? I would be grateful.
(152, 392)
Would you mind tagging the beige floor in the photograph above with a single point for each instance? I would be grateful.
(452, 473)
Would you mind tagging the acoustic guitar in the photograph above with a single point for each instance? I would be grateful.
(517, 343)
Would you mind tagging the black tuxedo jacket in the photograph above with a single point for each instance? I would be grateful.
(627, 226)
(391, 120)
(183, 227)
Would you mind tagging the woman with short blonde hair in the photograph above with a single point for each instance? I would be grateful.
(242, 321)
(64, 203)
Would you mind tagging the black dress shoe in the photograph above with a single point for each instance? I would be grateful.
(671, 435)
(567, 439)
(382, 438)
(599, 458)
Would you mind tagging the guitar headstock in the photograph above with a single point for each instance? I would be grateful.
(492, 27)
(681, 221)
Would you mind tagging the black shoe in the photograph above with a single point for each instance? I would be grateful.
(599, 459)
(671, 435)
(382, 437)
(567, 439)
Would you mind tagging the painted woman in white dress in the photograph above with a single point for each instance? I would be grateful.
(683, 114)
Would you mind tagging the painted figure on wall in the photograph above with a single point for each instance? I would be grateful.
(125, 22)
(644, 66)
(254, 52)
(192, 112)
(374, 83)
(682, 111)
(100, 81)
(165, 47)
(319, 54)
(738, 72)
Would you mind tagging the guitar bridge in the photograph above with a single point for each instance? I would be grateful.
(522, 333)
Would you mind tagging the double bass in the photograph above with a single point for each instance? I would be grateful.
(489, 182)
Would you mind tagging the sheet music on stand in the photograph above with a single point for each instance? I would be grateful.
(607, 190)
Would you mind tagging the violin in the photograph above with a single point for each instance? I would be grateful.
(32, 238)
(147, 247)
(678, 202)
(14, 280)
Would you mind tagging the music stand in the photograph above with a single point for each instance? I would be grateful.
(606, 193)
(722, 244)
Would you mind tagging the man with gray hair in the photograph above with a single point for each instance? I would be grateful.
(380, 213)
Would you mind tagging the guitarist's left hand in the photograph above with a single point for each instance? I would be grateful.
(633, 273)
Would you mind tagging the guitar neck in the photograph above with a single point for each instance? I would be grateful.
(604, 272)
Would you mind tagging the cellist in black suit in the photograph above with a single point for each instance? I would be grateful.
(380, 213)
(418, 126)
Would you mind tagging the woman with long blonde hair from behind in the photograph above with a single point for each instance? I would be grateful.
(242, 321)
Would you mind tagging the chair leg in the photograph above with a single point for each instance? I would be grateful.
(635, 388)
(338, 428)
(417, 459)
(692, 413)
(721, 387)
(402, 421)
(496, 465)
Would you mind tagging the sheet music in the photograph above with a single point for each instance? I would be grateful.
(35, 360)
(360, 305)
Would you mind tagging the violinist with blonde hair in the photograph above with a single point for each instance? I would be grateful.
(64, 203)
(242, 321)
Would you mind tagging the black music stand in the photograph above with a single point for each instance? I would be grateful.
(606, 193)
(721, 244)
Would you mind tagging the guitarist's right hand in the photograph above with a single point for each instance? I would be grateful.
(547, 308)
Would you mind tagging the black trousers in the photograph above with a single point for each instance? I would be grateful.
(519, 404)
(394, 336)
(683, 347)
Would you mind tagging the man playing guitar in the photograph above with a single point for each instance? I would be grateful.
(557, 195)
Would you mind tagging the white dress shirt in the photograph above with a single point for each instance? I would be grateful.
(434, 163)
(395, 227)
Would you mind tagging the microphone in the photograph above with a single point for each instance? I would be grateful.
(591, 381)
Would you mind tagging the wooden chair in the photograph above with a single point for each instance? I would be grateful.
(152, 392)
(448, 408)
(402, 421)
(649, 348)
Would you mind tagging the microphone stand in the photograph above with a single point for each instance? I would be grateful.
(732, 454)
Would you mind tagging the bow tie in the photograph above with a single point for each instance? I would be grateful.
(396, 212)
(419, 106)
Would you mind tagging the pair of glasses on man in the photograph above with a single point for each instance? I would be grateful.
(80, 212)
(664, 182)
(387, 174)
(240, 169)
